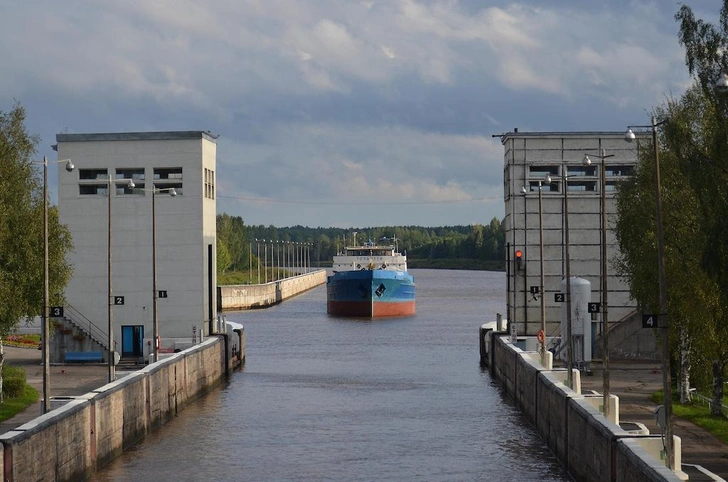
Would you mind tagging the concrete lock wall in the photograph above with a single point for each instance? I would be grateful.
(243, 297)
(76, 439)
(591, 447)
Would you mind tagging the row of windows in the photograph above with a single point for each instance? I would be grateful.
(209, 184)
(160, 173)
(579, 178)
(139, 189)
(165, 178)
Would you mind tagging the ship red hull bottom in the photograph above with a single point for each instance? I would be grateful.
(370, 309)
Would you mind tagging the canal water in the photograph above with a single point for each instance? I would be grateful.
(334, 399)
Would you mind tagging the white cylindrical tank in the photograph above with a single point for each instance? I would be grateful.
(581, 330)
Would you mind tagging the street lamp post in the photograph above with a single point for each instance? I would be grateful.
(155, 319)
(662, 315)
(111, 183)
(257, 250)
(569, 328)
(45, 328)
(603, 268)
(542, 289)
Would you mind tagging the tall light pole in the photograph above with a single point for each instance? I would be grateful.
(662, 315)
(542, 289)
(45, 328)
(111, 184)
(603, 268)
(155, 318)
(569, 329)
(257, 249)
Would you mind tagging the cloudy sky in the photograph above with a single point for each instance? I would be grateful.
(345, 113)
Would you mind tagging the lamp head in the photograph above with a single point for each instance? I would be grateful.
(69, 166)
(587, 160)
(548, 179)
(131, 184)
(524, 190)
(722, 84)
(172, 192)
(629, 136)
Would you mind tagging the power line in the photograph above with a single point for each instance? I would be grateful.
(357, 203)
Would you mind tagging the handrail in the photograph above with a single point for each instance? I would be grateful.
(73, 315)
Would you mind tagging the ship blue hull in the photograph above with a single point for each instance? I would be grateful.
(370, 293)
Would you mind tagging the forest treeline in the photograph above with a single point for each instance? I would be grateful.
(475, 246)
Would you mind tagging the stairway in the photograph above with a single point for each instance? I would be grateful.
(129, 364)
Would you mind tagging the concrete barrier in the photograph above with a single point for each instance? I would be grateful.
(591, 447)
(81, 436)
(244, 297)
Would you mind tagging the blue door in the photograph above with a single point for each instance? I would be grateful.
(132, 341)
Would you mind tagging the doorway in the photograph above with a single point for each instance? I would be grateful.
(132, 341)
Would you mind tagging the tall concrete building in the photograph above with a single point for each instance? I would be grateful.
(96, 203)
(574, 187)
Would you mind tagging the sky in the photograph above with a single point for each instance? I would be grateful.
(343, 113)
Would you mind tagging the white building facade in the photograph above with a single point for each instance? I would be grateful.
(529, 158)
(185, 234)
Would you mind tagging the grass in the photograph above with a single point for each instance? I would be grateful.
(698, 413)
(14, 380)
(243, 277)
(14, 405)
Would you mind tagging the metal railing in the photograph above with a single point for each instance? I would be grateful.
(707, 400)
(79, 320)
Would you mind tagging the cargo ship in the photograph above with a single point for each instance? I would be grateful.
(371, 281)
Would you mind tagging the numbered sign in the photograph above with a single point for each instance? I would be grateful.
(535, 290)
(559, 297)
(649, 321)
(163, 294)
(594, 307)
(56, 312)
(118, 300)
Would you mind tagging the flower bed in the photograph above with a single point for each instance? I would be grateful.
(25, 341)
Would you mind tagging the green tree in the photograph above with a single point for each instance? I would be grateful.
(21, 229)
(232, 236)
(700, 141)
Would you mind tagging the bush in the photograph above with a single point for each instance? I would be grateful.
(13, 381)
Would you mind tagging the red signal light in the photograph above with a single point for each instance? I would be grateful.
(519, 260)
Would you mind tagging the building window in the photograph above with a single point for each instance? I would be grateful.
(124, 190)
(209, 184)
(584, 171)
(164, 173)
(543, 171)
(619, 171)
(582, 186)
(167, 186)
(92, 174)
(538, 173)
(552, 186)
(136, 174)
(93, 189)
